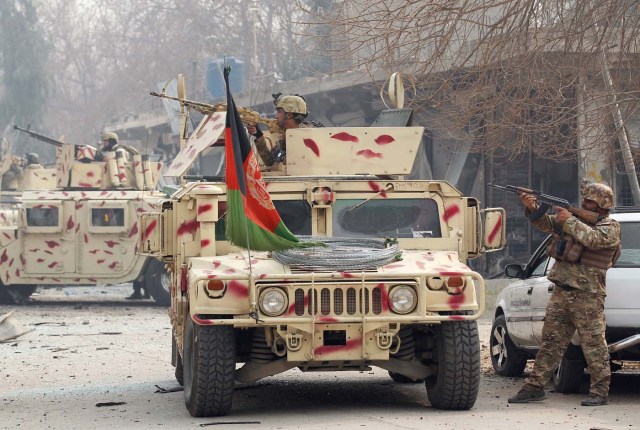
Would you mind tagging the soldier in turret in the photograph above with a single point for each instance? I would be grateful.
(109, 144)
(291, 112)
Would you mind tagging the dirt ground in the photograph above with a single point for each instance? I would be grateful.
(95, 360)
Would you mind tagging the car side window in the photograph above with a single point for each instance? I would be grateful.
(540, 267)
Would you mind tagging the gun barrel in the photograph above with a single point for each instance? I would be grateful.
(39, 136)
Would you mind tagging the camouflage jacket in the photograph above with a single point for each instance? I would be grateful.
(605, 234)
(266, 153)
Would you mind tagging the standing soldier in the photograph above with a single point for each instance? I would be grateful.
(583, 253)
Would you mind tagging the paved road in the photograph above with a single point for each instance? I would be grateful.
(89, 349)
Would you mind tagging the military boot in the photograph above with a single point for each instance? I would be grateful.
(526, 395)
(595, 400)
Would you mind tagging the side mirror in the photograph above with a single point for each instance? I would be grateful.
(514, 271)
(495, 229)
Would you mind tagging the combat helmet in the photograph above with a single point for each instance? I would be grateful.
(108, 135)
(292, 104)
(599, 193)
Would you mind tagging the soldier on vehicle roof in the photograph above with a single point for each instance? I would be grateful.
(583, 253)
(291, 112)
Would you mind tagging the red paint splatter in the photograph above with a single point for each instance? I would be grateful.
(187, 227)
(238, 289)
(113, 265)
(70, 223)
(384, 139)
(327, 319)
(495, 230)
(369, 154)
(421, 265)
(204, 208)
(312, 145)
(229, 271)
(456, 317)
(455, 300)
(347, 275)
(52, 265)
(40, 260)
(90, 174)
(147, 231)
(384, 297)
(4, 257)
(93, 251)
(111, 243)
(450, 212)
(51, 243)
(345, 137)
(17, 273)
(204, 243)
(375, 187)
(133, 231)
(102, 260)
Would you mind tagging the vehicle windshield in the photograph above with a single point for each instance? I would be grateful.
(379, 218)
(630, 256)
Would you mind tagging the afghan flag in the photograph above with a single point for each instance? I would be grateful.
(252, 220)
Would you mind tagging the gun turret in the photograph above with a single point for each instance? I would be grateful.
(39, 136)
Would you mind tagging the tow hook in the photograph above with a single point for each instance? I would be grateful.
(384, 339)
(294, 341)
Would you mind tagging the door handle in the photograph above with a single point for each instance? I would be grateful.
(530, 291)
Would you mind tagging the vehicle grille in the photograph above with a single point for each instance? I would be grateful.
(339, 301)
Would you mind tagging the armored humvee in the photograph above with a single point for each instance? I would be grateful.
(77, 223)
(413, 316)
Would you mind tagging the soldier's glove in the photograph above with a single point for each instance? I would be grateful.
(258, 133)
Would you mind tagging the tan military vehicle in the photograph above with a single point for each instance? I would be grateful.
(407, 304)
(76, 223)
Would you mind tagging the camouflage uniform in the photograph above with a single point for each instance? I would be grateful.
(577, 303)
(266, 153)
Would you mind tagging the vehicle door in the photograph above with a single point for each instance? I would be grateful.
(541, 289)
(49, 237)
(520, 319)
(107, 244)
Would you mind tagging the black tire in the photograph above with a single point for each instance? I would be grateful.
(209, 369)
(401, 379)
(506, 358)
(157, 282)
(457, 379)
(16, 294)
(176, 361)
(569, 376)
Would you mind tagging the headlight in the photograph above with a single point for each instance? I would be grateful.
(273, 302)
(402, 299)
(435, 282)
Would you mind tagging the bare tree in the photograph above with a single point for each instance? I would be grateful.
(107, 55)
(522, 75)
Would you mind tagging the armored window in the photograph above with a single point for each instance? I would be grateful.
(630, 256)
(295, 214)
(107, 217)
(401, 218)
(42, 217)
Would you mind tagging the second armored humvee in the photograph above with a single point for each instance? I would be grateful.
(311, 309)
(77, 224)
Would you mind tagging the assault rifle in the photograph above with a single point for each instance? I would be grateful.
(546, 201)
(246, 115)
(39, 136)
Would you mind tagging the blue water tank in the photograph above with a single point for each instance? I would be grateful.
(215, 78)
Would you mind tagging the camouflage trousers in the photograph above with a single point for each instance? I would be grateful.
(568, 311)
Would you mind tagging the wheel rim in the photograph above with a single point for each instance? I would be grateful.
(498, 346)
(165, 281)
